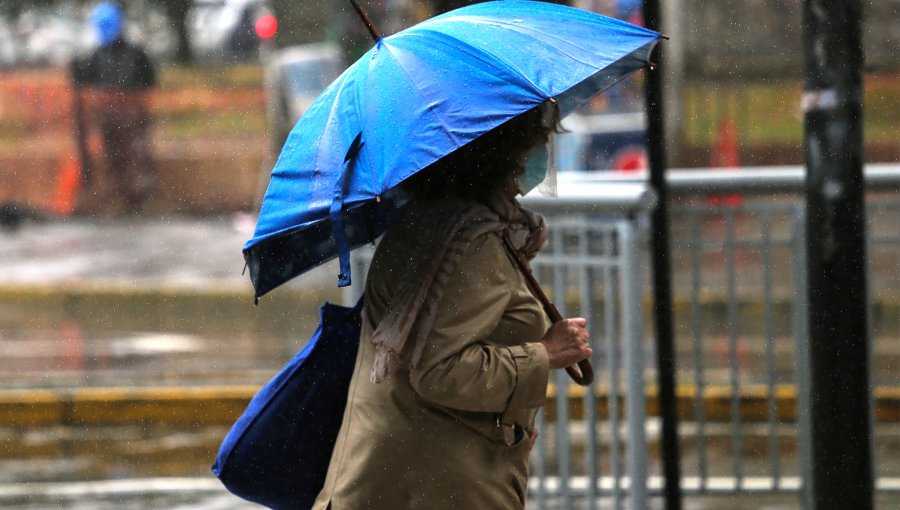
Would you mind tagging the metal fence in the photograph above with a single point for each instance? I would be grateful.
(741, 254)
(741, 304)
(738, 257)
(593, 268)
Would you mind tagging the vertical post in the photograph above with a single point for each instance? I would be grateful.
(563, 439)
(662, 282)
(840, 418)
(737, 433)
(586, 300)
(633, 350)
(769, 337)
(800, 312)
(696, 249)
(613, 317)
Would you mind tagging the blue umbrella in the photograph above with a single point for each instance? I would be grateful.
(413, 98)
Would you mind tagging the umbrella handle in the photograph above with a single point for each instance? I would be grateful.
(582, 373)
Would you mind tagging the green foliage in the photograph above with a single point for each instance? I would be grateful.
(769, 113)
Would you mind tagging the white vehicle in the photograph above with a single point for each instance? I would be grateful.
(224, 30)
(295, 77)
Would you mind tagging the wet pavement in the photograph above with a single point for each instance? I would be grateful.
(182, 251)
(138, 301)
(144, 300)
(194, 494)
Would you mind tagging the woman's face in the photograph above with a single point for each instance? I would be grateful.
(511, 186)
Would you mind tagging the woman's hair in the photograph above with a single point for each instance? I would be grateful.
(478, 169)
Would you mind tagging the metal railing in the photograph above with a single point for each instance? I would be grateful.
(738, 254)
(739, 273)
(593, 268)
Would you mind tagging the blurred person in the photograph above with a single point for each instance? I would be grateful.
(120, 75)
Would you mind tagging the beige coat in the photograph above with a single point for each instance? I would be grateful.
(450, 433)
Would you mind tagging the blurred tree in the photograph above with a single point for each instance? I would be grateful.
(176, 11)
(301, 22)
(13, 8)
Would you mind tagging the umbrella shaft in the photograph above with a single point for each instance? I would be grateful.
(366, 20)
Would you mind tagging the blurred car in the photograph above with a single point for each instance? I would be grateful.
(224, 30)
(612, 141)
(295, 76)
(606, 134)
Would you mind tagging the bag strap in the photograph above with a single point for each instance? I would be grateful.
(583, 374)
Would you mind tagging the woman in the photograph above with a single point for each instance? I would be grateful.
(455, 351)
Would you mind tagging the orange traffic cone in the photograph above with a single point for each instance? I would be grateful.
(65, 196)
(725, 153)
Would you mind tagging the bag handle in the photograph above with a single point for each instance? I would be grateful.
(583, 373)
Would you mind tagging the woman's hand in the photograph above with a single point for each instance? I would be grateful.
(567, 342)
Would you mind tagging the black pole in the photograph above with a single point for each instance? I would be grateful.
(662, 281)
(80, 131)
(79, 76)
(840, 392)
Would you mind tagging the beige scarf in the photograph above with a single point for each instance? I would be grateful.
(444, 230)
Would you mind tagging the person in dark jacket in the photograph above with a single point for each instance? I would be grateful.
(120, 75)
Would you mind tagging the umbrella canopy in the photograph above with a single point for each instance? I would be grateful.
(415, 97)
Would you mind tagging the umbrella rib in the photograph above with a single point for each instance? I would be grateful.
(505, 64)
(525, 30)
(446, 128)
(333, 113)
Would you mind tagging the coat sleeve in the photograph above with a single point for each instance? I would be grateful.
(460, 368)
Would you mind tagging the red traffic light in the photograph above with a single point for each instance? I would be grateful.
(266, 26)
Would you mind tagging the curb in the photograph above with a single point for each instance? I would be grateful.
(86, 295)
(222, 405)
(122, 406)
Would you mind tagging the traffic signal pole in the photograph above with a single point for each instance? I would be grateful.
(840, 470)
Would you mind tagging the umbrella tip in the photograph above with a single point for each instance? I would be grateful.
(365, 18)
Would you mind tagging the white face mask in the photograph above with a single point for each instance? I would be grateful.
(540, 169)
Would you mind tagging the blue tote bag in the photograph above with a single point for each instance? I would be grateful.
(277, 453)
